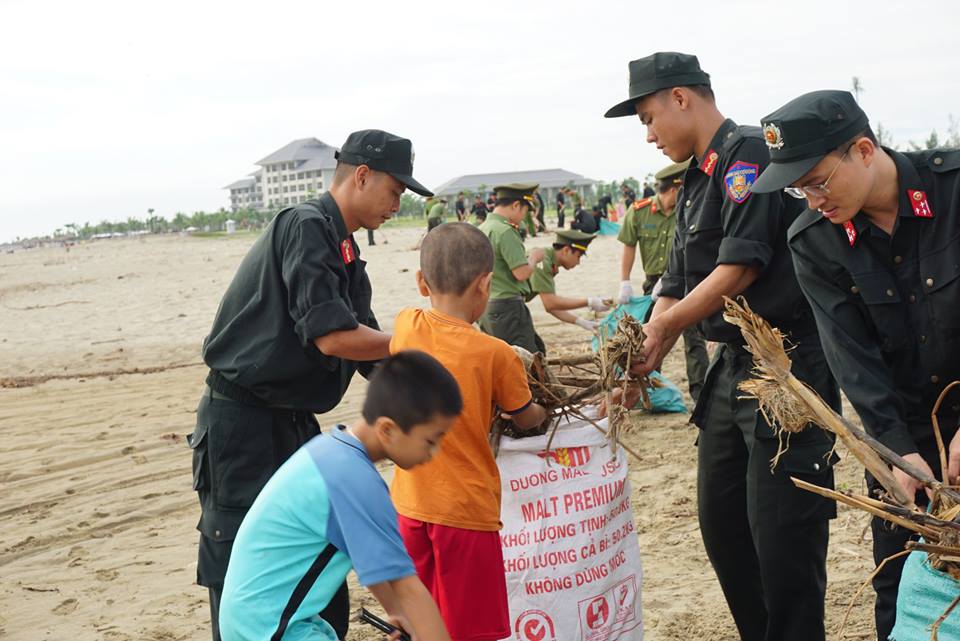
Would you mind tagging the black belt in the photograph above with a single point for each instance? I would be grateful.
(219, 383)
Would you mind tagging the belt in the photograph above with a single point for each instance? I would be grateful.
(226, 390)
(508, 299)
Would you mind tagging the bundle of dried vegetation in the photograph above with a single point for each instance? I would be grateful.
(790, 405)
(565, 384)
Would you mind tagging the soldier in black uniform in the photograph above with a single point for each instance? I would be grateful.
(479, 209)
(561, 204)
(291, 330)
(878, 256)
(766, 539)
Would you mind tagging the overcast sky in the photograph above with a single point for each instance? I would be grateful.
(110, 108)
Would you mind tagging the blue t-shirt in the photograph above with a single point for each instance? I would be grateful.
(324, 511)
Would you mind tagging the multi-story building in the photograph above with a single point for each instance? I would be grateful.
(296, 172)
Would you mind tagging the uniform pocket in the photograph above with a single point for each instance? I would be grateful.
(940, 280)
(241, 453)
(880, 294)
(201, 467)
(808, 461)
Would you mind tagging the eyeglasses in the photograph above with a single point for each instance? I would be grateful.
(816, 190)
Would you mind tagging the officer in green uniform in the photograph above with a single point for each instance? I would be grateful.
(568, 248)
(766, 539)
(436, 213)
(650, 225)
(877, 254)
(507, 316)
(294, 326)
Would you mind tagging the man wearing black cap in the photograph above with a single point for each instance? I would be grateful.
(291, 330)
(878, 256)
(568, 248)
(766, 539)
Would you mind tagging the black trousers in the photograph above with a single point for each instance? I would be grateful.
(766, 539)
(236, 449)
(888, 539)
(560, 216)
(509, 320)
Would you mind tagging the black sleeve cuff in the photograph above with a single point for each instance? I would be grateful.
(325, 318)
(740, 251)
(672, 286)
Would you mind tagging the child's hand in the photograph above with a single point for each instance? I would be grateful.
(400, 622)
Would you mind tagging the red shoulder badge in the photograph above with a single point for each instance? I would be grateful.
(640, 204)
(346, 250)
(851, 232)
(918, 200)
(709, 162)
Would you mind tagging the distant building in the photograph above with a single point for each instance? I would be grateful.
(298, 171)
(550, 181)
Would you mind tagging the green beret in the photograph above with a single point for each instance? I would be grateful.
(575, 238)
(674, 170)
(517, 191)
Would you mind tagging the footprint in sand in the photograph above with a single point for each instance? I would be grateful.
(107, 575)
(66, 607)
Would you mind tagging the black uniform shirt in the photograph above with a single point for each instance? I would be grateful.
(302, 279)
(719, 221)
(888, 307)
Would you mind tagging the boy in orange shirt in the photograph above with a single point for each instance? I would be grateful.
(450, 508)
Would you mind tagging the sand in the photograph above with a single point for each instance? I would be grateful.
(100, 374)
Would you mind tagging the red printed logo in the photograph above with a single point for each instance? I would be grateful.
(597, 613)
(921, 207)
(567, 456)
(534, 625)
(346, 250)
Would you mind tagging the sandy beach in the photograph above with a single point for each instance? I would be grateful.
(100, 374)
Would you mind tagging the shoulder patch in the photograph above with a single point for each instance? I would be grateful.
(640, 204)
(739, 179)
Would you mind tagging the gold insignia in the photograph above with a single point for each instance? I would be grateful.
(772, 135)
(918, 195)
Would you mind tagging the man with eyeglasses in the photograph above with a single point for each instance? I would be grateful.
(766, 539)
(877, 254)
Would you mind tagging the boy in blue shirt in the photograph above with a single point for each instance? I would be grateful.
(327, 509)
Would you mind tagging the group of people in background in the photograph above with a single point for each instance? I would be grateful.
(851, 249)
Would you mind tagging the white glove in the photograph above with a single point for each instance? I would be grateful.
(596, 304)
(626, 292)
(589, 325)
(655, 294)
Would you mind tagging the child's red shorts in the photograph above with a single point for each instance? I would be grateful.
(463, 569)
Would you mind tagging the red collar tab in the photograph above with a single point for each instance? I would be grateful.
(709, 162)
(918, 200)
(346, 250)
(851, 232)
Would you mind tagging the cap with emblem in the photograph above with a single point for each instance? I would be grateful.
(672, 171)
(662, 70)
(574, 238)
(382, 151)
(517, 191)
(803, 131)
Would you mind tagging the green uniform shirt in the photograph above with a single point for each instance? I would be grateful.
(542, 280)
(651, 229)
(437, 211)
(508, 254)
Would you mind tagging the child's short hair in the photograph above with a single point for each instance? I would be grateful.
(411, 388)
(453, 255)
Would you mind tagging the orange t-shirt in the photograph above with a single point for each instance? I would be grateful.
(460, 487)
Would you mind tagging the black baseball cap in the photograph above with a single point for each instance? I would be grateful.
(803, 131)
(662, 70)
(382, 151)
